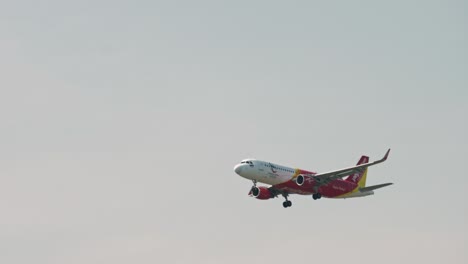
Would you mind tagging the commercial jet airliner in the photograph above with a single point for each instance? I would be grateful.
(285, 180)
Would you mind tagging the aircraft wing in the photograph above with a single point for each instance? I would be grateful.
(326, 177)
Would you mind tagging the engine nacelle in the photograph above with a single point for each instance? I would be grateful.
(261, 193)
(300, 180)
(305, 182)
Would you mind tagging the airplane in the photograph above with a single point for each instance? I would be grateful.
(344, 183)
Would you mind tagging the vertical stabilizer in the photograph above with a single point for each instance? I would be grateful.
(359, 177)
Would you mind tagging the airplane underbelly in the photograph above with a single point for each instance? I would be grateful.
(273, 178)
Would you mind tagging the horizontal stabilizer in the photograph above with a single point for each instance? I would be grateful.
(374, 187)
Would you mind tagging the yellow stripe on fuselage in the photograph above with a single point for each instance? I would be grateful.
(361, 184)
(362, 181)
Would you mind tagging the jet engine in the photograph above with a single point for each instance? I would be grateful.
(261, 193)
(300, 180)
(304, 182)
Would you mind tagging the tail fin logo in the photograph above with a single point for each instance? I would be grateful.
(355, 177)
(359, 176)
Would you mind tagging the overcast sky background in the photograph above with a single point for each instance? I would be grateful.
(121, 122)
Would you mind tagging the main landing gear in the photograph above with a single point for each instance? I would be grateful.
(316, 196)
(286, 203)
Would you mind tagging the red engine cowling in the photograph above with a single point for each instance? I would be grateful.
(305, 182)
(261, 193)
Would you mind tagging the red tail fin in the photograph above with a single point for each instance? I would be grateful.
(358, 177)
(362, 160)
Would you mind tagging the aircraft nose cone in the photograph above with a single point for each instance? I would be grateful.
(238, 168)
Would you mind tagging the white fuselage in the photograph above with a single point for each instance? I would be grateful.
(264, 172)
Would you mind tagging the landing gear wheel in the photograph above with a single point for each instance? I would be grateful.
(286, 203)
(316, 196)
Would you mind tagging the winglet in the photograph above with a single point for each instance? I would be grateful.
(386, 155)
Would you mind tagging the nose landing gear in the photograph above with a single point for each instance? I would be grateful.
(254, 186)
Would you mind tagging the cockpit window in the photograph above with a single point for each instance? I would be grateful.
(247, 162)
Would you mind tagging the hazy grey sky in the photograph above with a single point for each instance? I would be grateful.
(121, 122)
